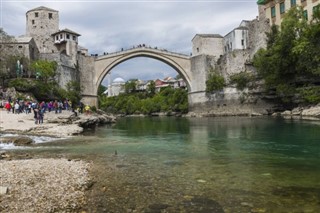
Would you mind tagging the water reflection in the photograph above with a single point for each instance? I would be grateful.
(235, 164)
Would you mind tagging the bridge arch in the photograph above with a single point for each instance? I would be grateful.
(179, 62)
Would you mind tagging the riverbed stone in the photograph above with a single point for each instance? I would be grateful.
(3, 190)
(17, 140)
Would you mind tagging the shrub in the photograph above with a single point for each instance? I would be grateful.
(215, 81)
(310, 94)
(21, 84)
(241, 80)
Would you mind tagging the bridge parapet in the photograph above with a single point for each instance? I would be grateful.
(141, 48)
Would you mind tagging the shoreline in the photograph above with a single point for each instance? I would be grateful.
(40, 183)
(59, 125)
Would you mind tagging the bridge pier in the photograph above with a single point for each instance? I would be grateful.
(91, 100)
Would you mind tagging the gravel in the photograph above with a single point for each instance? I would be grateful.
(43, 185)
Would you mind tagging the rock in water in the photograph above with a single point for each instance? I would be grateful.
(17, 141)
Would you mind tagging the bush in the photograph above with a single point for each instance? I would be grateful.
(22, 85)
(168, 100)
(310, 94)
(215, 82)
(93, 109)
(241, 80)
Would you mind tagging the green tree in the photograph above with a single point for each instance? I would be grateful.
(151, 89)
(101, 89)
(73, 92)
(44, 69)
(292, 57)
(130, 86)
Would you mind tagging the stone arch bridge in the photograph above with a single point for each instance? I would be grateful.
(191, 69)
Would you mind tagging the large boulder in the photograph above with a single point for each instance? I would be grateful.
(311, 112)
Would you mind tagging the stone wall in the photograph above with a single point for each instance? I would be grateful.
(86, 66)
(200, 65)
(230, 101)
(66, 70)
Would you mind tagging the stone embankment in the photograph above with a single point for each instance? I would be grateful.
(304, 113)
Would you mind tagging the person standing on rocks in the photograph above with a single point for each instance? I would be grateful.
(17, 108)
(8, 106)
(40, 115)
(36, 116)
(55, 106)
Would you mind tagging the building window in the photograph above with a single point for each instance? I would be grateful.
(57, 37)
(61, 36)
(242, 42)
(197, 49)
(32, 21)
(36, 15)
(305, 14)
(293, 3)
(50, 15)
(273, 11)
(20, 47)
(68, 36)
(282, 7)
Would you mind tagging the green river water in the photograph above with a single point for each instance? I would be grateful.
(229, 164)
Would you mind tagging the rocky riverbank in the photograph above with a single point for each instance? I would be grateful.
(303, 113)
(31, 184)
(57, 125)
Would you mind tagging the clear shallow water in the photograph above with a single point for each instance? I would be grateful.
(200, 165)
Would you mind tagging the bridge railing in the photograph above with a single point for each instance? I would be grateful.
(140, 46)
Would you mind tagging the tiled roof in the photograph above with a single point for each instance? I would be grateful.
(42, 8)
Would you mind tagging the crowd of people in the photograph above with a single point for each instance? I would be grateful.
(39, 108)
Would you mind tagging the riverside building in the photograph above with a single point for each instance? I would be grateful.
(274, 10)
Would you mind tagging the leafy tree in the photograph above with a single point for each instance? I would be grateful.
(151, 89)
(44, 69)
(73, 92)
(292, 57)
(101, 89)
(5, 37)
(168, 100)
(130, 86)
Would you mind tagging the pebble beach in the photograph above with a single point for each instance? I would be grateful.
(41, 184)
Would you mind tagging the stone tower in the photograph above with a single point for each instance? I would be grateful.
(42, 22)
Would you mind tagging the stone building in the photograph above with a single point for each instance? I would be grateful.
(238, 38)
(207, 44)
(274, 9)
(20, 46)
(116, 87)
(41, 23)
(44, 40)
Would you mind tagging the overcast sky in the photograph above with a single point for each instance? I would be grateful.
(108, 26)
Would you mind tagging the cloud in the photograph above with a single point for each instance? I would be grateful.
(108, 26)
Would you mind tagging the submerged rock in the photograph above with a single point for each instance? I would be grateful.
(203, 204)
(17, 140)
